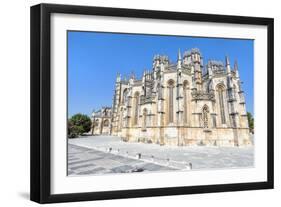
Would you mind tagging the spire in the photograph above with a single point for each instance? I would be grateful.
(236, 69)
(143, 76)
(227, 61)
(179, 60)
(235, 65)
(179, 54)
(227, 65)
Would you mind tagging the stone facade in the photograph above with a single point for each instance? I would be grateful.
(182, 103)
(101, 121)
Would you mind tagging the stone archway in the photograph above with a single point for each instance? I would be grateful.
(105, 127)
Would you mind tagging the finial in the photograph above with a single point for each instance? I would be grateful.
(235, 65)
(118, 78)
(227, 60)
(179, 54)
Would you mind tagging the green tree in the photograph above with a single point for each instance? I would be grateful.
(251, 122)
(78, 124)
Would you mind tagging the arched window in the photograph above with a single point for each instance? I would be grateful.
(136, 117)
(205, 117)
(125, 95)
(171, 101)
(185, 87)
(144, 117)
(220, 89)
(106, 123)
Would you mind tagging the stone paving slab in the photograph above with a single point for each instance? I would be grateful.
(90, 161)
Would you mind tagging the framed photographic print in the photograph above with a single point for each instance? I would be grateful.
(132, 103)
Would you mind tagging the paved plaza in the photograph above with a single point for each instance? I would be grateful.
(108, 154)
(85, 161)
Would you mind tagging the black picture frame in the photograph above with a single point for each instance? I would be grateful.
(41, 96)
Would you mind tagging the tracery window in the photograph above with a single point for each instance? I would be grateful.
(125, 95)
(185, 87)
(171, 101)
(221, 103)
(136, 117)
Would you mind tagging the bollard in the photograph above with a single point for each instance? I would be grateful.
(189, 166)
(168, 160)
(139, 155)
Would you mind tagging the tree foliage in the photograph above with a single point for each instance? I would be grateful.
(78, 124)
(251, 122)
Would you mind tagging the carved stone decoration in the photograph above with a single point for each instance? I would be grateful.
(201, 95)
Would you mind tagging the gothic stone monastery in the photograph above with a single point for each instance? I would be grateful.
(183, 104)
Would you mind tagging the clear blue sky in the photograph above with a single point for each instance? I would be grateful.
(95, 58)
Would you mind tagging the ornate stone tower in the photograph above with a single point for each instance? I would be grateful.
(115, 104)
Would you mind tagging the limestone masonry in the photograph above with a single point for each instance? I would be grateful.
(185, 103)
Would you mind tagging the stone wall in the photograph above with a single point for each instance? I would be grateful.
(186, 136)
